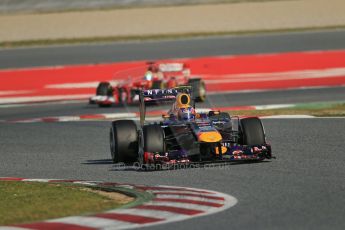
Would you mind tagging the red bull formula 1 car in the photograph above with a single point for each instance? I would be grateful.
(152, 76)
(184, 136)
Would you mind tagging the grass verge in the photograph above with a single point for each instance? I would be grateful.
(91, 40)
(23, 202)
(330, 110)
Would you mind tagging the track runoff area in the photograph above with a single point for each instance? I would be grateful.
(259, 72)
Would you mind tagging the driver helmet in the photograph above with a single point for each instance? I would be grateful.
(148, 76)
(186, 114)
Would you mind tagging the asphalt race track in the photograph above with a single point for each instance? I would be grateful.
(219, 100)
(302, 189)
(127, 51)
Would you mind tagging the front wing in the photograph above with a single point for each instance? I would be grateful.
(234, 154)
(103, 100)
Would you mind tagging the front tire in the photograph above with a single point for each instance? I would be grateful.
(124, 141)
(154, 139)
(104, 89)
(252, 131)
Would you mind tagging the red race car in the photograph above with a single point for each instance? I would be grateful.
(153, 76)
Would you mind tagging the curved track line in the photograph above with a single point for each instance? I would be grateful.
(170, 204)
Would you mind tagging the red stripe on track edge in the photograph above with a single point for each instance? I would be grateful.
(53, 226)
(173, 189)
(187, 201)
(184, 211)
(129, 218)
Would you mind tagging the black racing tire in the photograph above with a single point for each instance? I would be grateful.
(252, 131)
(124, 145)
(199, 89)
(104, 89)
(158, 85)
(153, 139)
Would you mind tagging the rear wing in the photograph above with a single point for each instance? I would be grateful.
(159, 96)
(171, 67)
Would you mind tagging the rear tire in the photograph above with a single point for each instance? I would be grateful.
(153, 139)
(252, 131)
(199, 89)
(104, 89)
(124, 141)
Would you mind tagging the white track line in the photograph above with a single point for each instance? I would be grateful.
(15, 92)
(203, 208)
(182, 192)
(80, 85)
(10, 100)
(275, 106)
(189, 198)
(288, 117)
(275, 76)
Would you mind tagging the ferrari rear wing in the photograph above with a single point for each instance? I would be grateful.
(159, 96)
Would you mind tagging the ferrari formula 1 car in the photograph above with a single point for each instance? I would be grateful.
(152, 76)
(184, 136)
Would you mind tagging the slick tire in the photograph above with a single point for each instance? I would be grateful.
(252, 131)
(124, 141)
(104, 89)
(153, 139)
(199, 89)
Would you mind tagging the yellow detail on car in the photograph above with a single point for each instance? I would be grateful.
(224, 149)
(210, 137)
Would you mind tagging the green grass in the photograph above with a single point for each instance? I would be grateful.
(22, 202)
(90, 40)
(333, 110)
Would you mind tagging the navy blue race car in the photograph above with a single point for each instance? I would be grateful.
(183, 135)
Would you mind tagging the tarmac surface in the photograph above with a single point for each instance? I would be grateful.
(52, 109)
(302, 189)
(151, 50)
